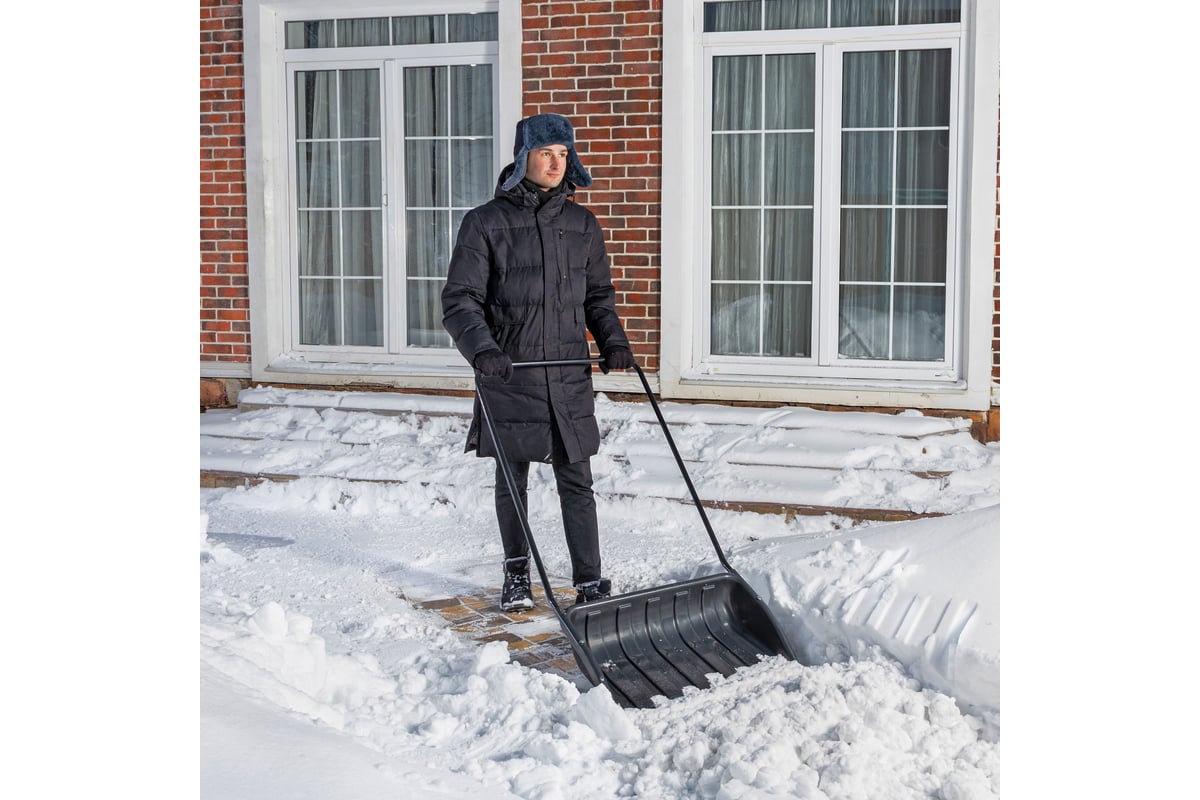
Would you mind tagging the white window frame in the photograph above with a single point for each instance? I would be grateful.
(275, 352)
(964, 380)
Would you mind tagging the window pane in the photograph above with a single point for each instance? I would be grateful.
(312, 33)
(736, 170)
(790, 83)
(866, 244)
(316, 112)
(737, 93)
(924, 88)
(318, 241)
(427, 171)
(362, 175)
(853, 13)
(864, 321)
(482, 27)
(920, 323)
(362, 32)
(425, 315)
(364, 312)
(320, 311)
(472, 172)
(359, 102)
(921, 12)
(868, 89)
(922, 167)
(419, 30)
(785, 14)
(921, 245)
(425, 106)
(471, 94)
(789, 169)
(735, 245)
(735, 319)
(428, 243)
(738, 15)
(867, 168)
(364, 242)
(788, 329)
(787, 244)
(316, 174)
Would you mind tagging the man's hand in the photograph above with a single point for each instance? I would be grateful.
(494, 364)
(616, 358)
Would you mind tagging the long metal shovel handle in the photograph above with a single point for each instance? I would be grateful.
(515, 496)
(511, 483)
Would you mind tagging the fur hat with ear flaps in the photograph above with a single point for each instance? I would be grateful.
(541, 130)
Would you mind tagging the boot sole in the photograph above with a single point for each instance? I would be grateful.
(518, 606)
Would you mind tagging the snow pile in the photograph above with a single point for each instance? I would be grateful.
(926, 592)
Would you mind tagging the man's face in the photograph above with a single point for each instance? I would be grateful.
(546, 166)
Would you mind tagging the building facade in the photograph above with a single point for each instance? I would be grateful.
(800, 197)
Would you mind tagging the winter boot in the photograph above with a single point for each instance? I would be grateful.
(516, 595)
(593, 590)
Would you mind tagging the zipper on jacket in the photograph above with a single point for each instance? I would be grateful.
(562, 269)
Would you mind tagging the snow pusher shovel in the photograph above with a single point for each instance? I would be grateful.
(657, 641)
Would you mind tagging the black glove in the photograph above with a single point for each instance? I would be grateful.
(494, 364)
(616, 358)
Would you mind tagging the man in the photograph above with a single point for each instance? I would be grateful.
(528, 278)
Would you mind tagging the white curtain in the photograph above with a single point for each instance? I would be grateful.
(449, 165)
(762, 198)
(892, 269)
(339, 194)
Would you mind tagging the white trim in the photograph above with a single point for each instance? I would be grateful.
(969, 387)
(266, 67)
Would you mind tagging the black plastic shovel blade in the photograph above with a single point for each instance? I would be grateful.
(659, 641)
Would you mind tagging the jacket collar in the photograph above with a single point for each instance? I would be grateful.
(528, 198)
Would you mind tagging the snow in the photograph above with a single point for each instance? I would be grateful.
(321, 676)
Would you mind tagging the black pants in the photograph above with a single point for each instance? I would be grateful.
(578, 505)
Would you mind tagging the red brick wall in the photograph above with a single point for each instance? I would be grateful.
(224, 296)
(599, 62)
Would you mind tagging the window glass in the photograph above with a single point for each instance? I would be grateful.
(924, 88)
(419, 30)
(762, 193)
(473, 27)
(339, 185)
(928, 12)
(894, 196)
(752, 15)
(736, 314)
(785, 14)
(386, 31)
(735, 15)
(449, 147)
(857, 13)
(363, 32)
(312, 33)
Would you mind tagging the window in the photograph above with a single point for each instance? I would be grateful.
(830, 167)
(392, 138)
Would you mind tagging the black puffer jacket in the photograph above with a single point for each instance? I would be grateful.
(530, 276)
